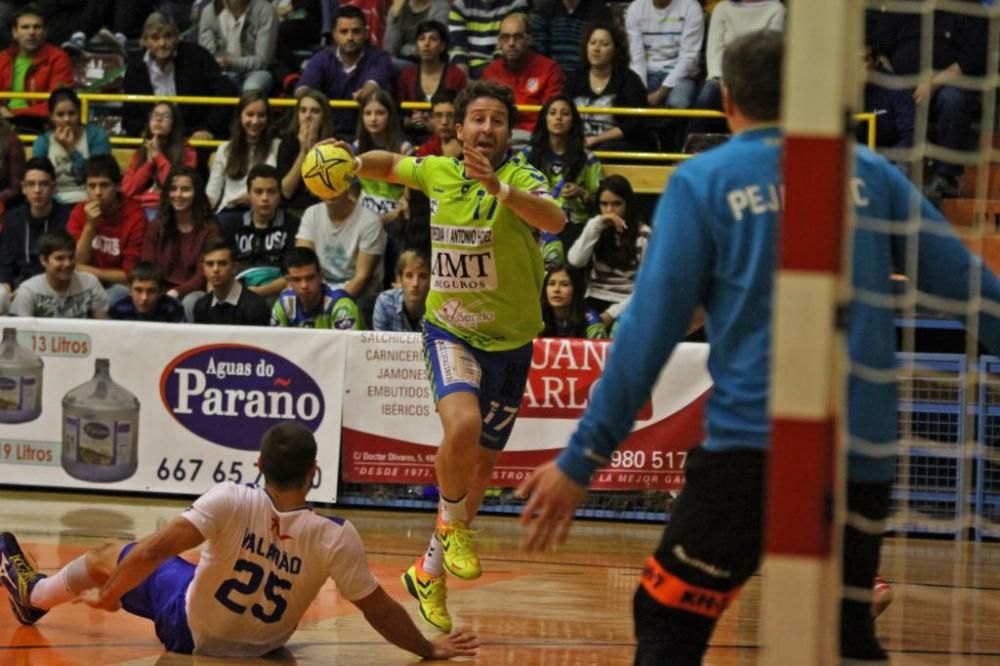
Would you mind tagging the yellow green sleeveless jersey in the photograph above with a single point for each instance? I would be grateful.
(486, 265)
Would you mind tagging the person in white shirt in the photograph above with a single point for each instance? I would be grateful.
(61, 291)
(665, 39)
(350, 242)
(243, 37)
(265, 555)
(730, 20)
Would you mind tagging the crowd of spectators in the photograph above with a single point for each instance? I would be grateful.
(239, 238)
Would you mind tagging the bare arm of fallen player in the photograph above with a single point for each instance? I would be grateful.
(391, 620)
(172, 539)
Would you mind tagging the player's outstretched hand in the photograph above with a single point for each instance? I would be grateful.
(93, 597)
(336, 142)
(459, 643)
(552, 500)
(478, 167)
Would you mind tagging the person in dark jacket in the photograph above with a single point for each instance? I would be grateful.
(24, 225)
(170, 66)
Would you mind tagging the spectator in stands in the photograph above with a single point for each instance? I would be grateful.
(174, 241)
(252, 143)
(69, 144)
(264, 235)
(559, 26)
(309, 302)
(24, 225)
(300, 30)
(350, 241)
(163, 148)
(109, 21)
(108, 230)
(429, 76)
(31, 64)
(475, 30)
(533, 77)
(61, 291)
(147, 300)
(444, 140)
(605, 80)
(562, 306)
(374, 13)
(311, 122)
(959, 49)
(229, 303)
(665, 38)
(730, 20)
(378, 128)
(348, 69)
(402, 307)
(170, 66)
(243, 36)
(557, 150)
(611, 248)
(403, 29)
(11, 166)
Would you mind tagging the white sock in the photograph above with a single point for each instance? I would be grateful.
(453, 510)
(433, 562)
(63, 587)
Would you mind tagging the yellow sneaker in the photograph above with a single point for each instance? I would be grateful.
(460, 559)
(431, 594)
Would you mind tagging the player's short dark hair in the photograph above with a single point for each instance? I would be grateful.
(751, 72)
(41, 164)
(443, 96)
(350, 12)
(491, 89)
(55, 241)
(146, 271)
(287, 453)
(215, 244)
(298, 257)
(30, 9)
(263, 171)
(102, 166)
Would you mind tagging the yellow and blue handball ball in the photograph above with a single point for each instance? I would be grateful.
(328, 171)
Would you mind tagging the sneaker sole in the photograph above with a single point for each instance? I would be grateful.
(412, 589)
(28, 621)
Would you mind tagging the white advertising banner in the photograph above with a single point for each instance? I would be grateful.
(164, 408)
(391, 431)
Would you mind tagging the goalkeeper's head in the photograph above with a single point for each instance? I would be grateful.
(751, 76)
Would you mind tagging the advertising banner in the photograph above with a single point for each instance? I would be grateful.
(391, 432)
(163, 408)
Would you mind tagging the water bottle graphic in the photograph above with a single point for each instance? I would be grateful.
(20, 381)
(100, 429)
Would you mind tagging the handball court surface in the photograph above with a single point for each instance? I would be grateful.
(571, 606)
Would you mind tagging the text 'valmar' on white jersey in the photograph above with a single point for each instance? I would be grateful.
(260, 569)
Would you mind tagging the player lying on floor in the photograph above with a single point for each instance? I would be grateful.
(266, 555)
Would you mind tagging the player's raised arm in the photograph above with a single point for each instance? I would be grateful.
(374, 164)
(540, 212)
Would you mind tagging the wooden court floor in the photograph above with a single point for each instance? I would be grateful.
(572, 606)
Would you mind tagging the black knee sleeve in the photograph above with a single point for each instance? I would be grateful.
(861, 560)
(667, 635)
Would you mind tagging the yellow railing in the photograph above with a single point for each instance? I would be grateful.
(87, 98)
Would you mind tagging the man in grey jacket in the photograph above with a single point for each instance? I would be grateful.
(243, 36)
